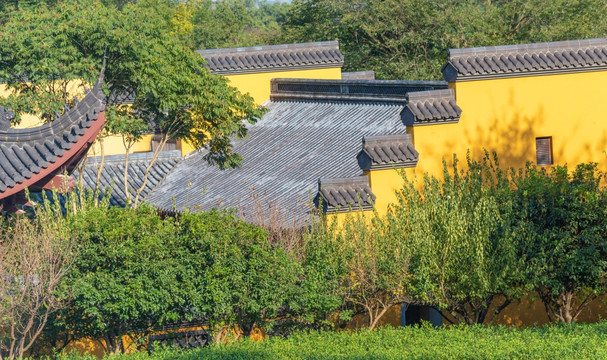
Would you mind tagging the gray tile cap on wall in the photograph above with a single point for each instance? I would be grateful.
(344, 194)
(526, 60)
(25, 152)
(269, 58)
(387, 152)
(431, 107)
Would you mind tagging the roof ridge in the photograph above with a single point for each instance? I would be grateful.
(431, 94)
(278, 47)
(269, 58)
(536, 47)
(548, 58)
(371, 140)
(349, 90)
(354, 180)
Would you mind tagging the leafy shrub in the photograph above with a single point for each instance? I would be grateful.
(564, 216)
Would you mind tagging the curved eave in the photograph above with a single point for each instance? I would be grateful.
(69, 157)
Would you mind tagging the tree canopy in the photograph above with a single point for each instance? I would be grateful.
(55, 46)
(409, 39)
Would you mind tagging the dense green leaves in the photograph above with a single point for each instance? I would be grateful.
(463, 239)
(564, 216)
(409, 39)
(235, 23)
(62, 47)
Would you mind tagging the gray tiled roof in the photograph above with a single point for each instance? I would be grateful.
(112, 174)
(386, 152)
(344, 194)
(296, 142)
(312, 55)
(27, 153)
(526, 59)
(431, 107)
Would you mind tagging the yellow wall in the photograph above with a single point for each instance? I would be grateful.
(384, 184)
(341, 218)
(258, 84)
(506, 115)
(113, 145)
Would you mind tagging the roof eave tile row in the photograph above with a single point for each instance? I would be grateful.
(431, 107)
(29, 155)
(340, 195)
(273, 58)
(387, 152)
(526, 60)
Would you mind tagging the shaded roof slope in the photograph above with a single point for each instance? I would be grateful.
(112, 174)
(267, 58)
(297, 142)
(526, 59)
(31, 157)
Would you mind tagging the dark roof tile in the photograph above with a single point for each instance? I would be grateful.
(526, 59)
(112, 174)
(431, 107)
(298, 141)
(273, 57)
(344, 194)
(387, 152)
(24, 152)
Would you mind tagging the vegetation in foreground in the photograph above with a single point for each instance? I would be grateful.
(475, 240)
(576, 341)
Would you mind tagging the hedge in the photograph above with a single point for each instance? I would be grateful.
(577, 341)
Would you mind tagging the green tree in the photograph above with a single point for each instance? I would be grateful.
(465, 256)
(238, 280)
(126, 280)
(235, 23)
(564, 217)
(147, 60)
(409, 39)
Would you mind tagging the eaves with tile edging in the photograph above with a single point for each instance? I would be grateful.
(494, 62)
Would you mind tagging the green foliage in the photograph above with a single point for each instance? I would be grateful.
(126, 275)
(471, 342)
(564, 217)
(318, 292)
(56, 47)
(463, 239)
(377, 264)
(235, 23)
(409, 39)
(236, 277)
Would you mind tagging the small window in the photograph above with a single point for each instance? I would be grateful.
(543, 148)
(171, 144)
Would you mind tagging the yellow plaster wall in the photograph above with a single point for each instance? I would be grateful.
(341, 218)
(384, 184)
(113, 145)
(258, 84)
(506, 115)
